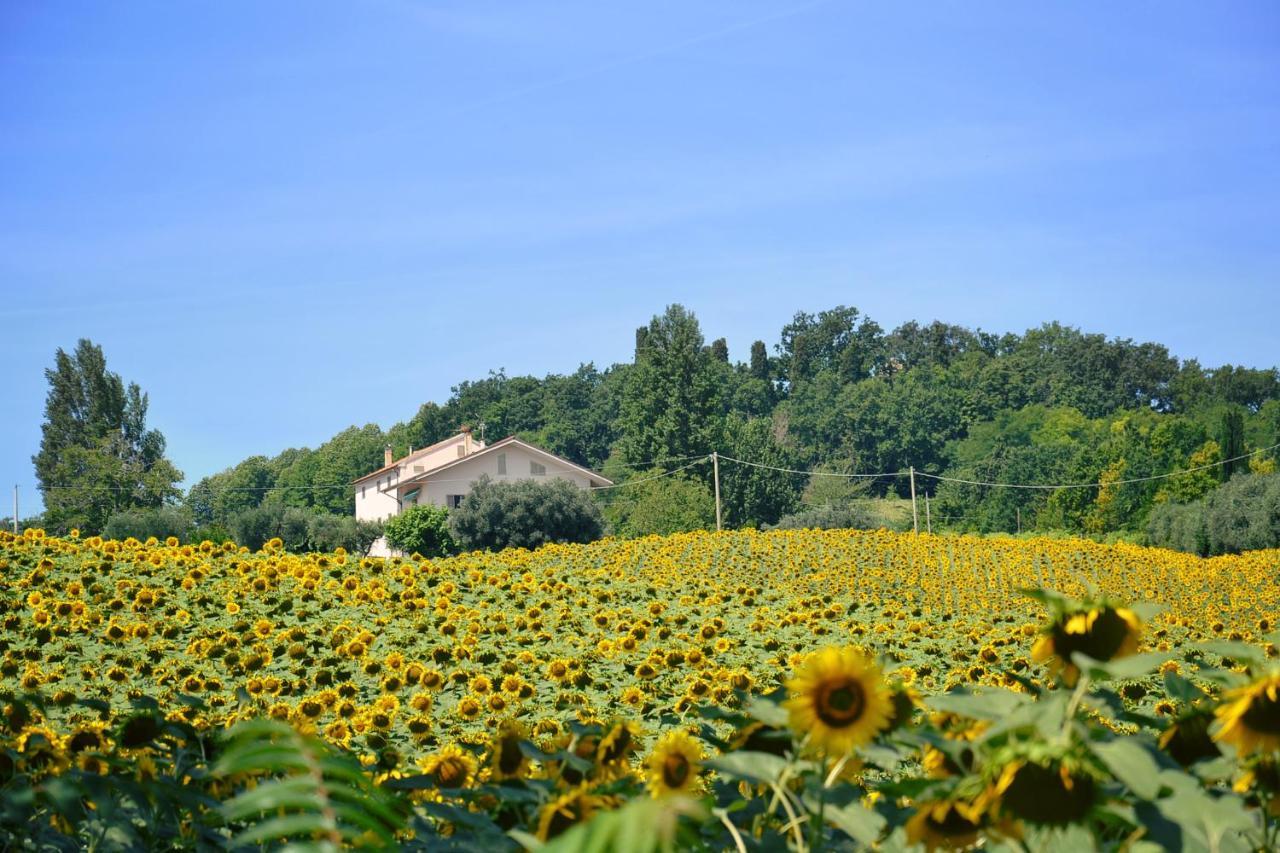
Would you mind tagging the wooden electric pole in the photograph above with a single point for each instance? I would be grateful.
(915, 514)
(715, 468)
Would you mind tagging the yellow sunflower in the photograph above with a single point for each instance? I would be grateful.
(945, 825)
(566, 811)
(838, 699)
(1103, 633)
(618, 743)
(1249, 717)
(674, 764)
(1187, 739)
(506, 759)
(451, 767)
(1261, 782)
(1052, 792)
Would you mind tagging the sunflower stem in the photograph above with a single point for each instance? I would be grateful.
(733, 830)
(836, 770)
(816, 828)
(793, 821)
(1082, 686)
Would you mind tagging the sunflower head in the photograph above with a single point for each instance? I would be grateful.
(761, 737)
(1187, 738)
(839, 700)
(506, 759)
(1249, 717)
(620, 740)
(1097, 629)
(1045, 790)
(952, 823)
(450, 768)
(566, 811)
(1260, 783)
(904, 701)
(674, 764)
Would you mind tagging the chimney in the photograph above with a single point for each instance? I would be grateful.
(386, 457)
(466, 441)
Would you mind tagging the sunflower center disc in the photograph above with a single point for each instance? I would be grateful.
(1263, 715)
(841, 704)
(675, 770)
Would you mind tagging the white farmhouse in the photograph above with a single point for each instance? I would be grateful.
(444, 473)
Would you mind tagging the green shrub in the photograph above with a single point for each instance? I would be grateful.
(831, 518)
(1241, 515)
(525, 514)
(161, 522)
(421, 530)
(663, 506)
(300, 529)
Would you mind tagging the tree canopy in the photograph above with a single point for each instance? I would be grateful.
(97, 455)
(1053, 404)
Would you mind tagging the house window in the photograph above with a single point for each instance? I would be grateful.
(453, 501)
(537, 469)
(502, 463)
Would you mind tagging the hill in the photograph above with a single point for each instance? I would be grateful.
(836, 392)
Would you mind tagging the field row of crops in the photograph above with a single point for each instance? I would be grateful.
(526, 691)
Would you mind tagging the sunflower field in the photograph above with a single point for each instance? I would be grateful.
(722, 691)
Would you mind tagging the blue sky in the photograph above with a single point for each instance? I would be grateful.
(284, 218)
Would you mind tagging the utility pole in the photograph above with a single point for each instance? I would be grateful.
(715, 468)
(928, 517)
(915, 514)
(1019, 511)
(15, 509)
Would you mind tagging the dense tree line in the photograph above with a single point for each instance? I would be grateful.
(1052, 405)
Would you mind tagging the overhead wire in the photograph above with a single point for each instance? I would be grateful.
(701, 458)
(812, 473)
(698, 461)
(1096, 485)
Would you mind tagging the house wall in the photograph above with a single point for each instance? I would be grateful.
(459, 479)
(436, 458)
(375, 506)
(371, 503)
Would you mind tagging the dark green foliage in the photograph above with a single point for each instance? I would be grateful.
(105, 805)
(1052, 405)
(525, 514)
(97, 456)
(671, 397)
(1231, 442)
(306, 791)
(752, 496)
(421, 530)
(1242, 515)
(301, 530)
(835, 341)
(674, 504)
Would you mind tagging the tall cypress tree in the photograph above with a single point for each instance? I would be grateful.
(1231, 440)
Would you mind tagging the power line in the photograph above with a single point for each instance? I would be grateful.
(813, 473)
(652, 462)
(1099, 484)
(699, 461)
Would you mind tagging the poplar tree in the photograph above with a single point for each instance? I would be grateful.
(97, 455)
